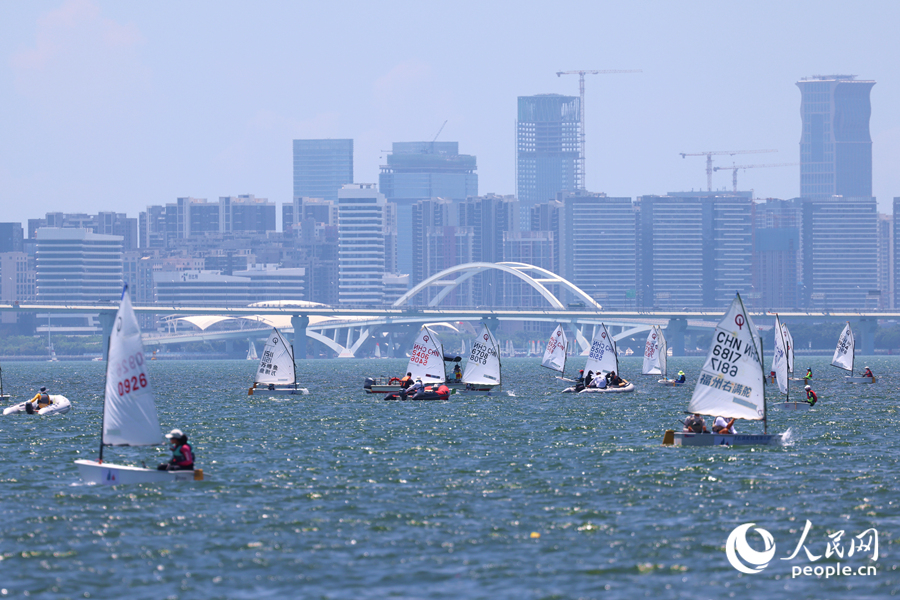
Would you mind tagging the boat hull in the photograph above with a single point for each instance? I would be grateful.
(481, 391)
(669, 382)
(60, 406)
(277, 391)
(92, 471)
(851, 379)
(717, 439)
(606, 390)
(800, 405)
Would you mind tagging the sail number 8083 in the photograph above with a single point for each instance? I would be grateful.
(723, 360)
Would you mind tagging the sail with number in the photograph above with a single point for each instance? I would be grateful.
(129, 407)
(843, 354)
(277, 362)
(654, 353)
(555, 354)
(731, 380)
(483, 367)
(789, 347)
(780, 358)
(426, 362)
(602, 357)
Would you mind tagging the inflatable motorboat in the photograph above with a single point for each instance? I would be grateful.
(59, 405)
(442, 393)
(606, 390)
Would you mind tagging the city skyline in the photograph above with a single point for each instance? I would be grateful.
(112, 115)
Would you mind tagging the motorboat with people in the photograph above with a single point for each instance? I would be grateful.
(844, 355)
(129, 409)
(53, 404)
(730, 387)
(426, 363)
(602, 368)
(276, 374)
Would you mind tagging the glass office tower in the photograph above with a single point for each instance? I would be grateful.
(547, 148)
(321, 167)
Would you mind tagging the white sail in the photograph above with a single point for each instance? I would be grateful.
(483, 367)
(555, 354)
(129, 408)
(251, 352)
(730, 384)
(277, 362)
(652, 348)
(602, 357)
(663, 352)
(843, 354)
(789, 346)
(780, 358)
(377, 350)
(426, 362)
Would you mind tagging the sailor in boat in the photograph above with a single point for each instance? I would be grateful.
(695, 424)
(615, 380)
(868, 373)
(406, 381)
(415, 388)
(600, 381)
(811, 396)
(457, 373)
(579, 382)
(182, 454)
(680, 378)
(588, 379)
(808, 373)
(40, 400)
(723, 426)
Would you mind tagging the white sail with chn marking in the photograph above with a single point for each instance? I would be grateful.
(652, 355)
(843, 354)
(730, 384)
(555, 354)
(483, 367)
(426, 362)
(602, 357)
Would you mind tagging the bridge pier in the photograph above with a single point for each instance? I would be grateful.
(299, 323)
(107, 318)
(675, 336)
(867, 328)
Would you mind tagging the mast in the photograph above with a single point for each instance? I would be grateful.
(293, 362)
(852, 350)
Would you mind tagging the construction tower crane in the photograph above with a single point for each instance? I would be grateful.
(709, 155)
(580, 176)
(734, 170)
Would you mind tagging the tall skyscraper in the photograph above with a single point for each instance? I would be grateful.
(776, 254)
(77, 266)
(321, 167)
(548, 146)
(361, 247)
(835, 146)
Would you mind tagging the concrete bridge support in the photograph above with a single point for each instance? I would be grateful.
(866, 332)
(106, 323)
(675, 335)
(299, 323)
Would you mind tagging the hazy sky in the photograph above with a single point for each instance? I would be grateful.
(114, 105)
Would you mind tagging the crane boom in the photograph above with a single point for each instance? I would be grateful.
(734, 170)
(580, 176)
(709, 155)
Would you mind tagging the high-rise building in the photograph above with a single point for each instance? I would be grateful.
(695, 249)
(548, 149)
(895, 255)
(489, 216)
(531, 248)
(77, 266)
(11, 237)
(320, 210)
(776, 254)
(16, 281)
(321, 167)
(840, 253)
(361, 216)
(107, 223)
(246, 213)
(885, 251)
(418, 171)
(835, 146)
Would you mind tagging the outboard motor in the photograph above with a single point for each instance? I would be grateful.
(369, 383)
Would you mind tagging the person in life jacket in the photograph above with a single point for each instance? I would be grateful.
(868, 373)
(811, 396)
(182, 454)
(680, 378)
(406, 381)
(808, 373)
(40, 400)
(457, 372)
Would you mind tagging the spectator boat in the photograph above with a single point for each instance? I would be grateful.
(59, 405)
(603, 357)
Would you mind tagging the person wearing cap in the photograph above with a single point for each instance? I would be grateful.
(40, 400)
(811, 396)
(415, 388)
(868, 373)
(808, 373)
(695, 424)
(723, 426)
(182, 453)
(680, 378)
(457, 372)
(579, 382)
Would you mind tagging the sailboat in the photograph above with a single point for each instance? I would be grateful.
(780, 366)
(603, 357)
(482, 374)
(3, 395)
(277, 372)
(555, 353)
(731, 384)
(251, 352)
(656, 356)
(426, 362)
(129, 408)
(844, 355)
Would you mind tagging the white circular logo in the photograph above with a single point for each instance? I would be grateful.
(744, 558)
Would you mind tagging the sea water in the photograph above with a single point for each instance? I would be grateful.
(528, 494)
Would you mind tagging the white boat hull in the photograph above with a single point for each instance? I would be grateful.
(483, 391)
(60, 406)
(799, 405)
(277, 391)
(670, 382)
(112, 474)
(606, 390)
(717, 439)
(851, 379)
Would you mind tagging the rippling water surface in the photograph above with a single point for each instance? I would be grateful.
(531, 494)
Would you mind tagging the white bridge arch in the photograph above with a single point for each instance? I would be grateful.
(521, 270)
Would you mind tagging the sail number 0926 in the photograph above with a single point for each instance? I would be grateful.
(723, 360)
(135, 382)
(132, 384)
